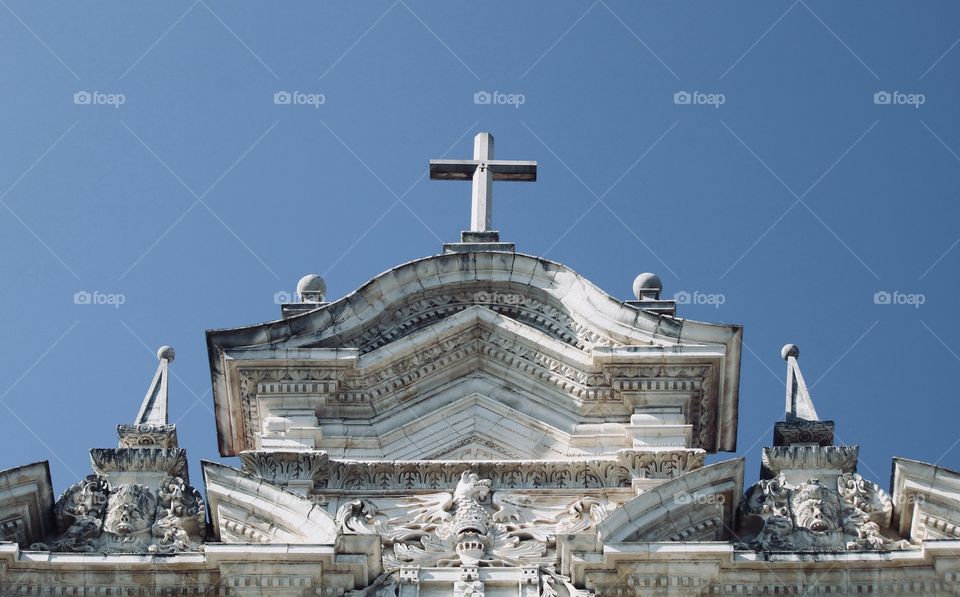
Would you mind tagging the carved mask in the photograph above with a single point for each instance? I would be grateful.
(815, 507)
(130, 510)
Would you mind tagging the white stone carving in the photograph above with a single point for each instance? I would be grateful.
(130, 518)
(470, 526)
(811, 516)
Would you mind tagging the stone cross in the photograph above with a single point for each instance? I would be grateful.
(483, 170)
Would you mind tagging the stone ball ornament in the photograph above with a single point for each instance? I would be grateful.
(312, 289)
(790, 350)
(647, 285)
(166, 353)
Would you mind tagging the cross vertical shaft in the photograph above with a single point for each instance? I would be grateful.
(481, 206)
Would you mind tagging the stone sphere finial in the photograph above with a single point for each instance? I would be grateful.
(311, 289)
(647, 286)
(789, 350)
(166, 353)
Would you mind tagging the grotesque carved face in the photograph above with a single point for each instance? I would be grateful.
(130, 510)
(815, 507)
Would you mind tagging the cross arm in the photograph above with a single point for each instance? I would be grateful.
(465, 169)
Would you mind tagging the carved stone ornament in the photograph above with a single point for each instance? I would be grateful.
(147, 435)
(471, 526)
(131, 518)
(853, 514)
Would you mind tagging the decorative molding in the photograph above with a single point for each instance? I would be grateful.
(330, 474)
(358, 393)
(777, 459)
(147, 435)
(801, 431)
(282, 468)
(172, 461)
(515, 301)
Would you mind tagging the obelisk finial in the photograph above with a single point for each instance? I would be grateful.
(151, 427)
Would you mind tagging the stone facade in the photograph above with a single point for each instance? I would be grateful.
(479, 423)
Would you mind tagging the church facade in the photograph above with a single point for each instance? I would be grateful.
(479, 422)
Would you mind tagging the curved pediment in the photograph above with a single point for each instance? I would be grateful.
(540, 293)
(697, 506)
(247, 509)
(548, 344)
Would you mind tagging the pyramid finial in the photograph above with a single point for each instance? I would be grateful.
(801, 424)
(151, 427)
(799, 403)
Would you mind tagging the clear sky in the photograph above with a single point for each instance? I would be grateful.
(779, 163)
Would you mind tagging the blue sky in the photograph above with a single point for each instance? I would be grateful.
(815, 165)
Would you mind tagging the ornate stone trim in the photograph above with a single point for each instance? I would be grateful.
(172, 461)
(515, 303)
(282, 468)
(350, 388)
(808, 457)
(426, 475)
(147, 434)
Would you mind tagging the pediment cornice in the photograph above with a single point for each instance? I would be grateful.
(536, 324)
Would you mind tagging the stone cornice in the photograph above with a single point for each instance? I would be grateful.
(328, 474)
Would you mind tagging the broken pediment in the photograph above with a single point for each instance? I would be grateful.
(528, 337)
